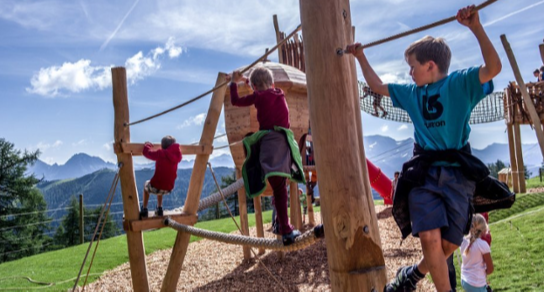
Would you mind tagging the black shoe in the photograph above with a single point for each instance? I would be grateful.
(159, 211)
(275, 228)
(143, 213)
(289, 239)
(319, 231)
(401, 282)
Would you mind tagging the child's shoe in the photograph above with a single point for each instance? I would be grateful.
(375, 114)
(401, 282)
(159, 211)
(289, 239)
(384, 114)
(143, 212)
(319, 231)
(275, 228)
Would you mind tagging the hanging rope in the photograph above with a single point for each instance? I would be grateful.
(263, 57)
(216, 197)
(425, 27)
(306, 239)
(108, 202)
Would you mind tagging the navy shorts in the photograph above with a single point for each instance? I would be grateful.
(442, 202)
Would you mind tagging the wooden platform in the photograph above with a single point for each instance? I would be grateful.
(156, 222)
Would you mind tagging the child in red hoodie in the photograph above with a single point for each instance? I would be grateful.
(166, 170)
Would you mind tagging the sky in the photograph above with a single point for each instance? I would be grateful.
(56, 55)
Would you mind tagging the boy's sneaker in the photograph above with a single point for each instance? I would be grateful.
(143, 213)
(401, 282)
(159, 211)
(319, 231)
(289, 239)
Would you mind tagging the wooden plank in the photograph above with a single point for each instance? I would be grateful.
(242, 207)
(138, 148)
(257, 203)
(129, 192)
(354, 253)
(153, 222)
(294, 199)
(513, 161)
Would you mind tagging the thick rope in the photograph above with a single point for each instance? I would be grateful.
(425, 27)
(263, 57)
(109, 198)
(306, 239)
(216, 197)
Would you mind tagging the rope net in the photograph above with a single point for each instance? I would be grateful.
(490, 109)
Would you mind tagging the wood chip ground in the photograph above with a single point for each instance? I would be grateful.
(215, 266)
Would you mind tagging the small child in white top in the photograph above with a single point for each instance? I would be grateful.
(477, 262)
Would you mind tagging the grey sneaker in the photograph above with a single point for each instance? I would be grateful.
(289, 239)
(401, 282)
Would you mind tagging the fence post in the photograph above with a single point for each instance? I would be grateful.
(81, 235)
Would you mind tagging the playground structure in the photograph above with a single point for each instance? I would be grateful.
(354, 252)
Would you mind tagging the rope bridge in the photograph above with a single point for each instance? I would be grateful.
(490, 109)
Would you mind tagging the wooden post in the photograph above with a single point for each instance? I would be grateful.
(311, 217)
(195, 186)
(131, 204)
(526, 98)
(354, 253)
(81, 220)
(244, 224)
(294, 200)
(519, 158)
(513, 162)
(278, 38)
(257, 204)
(541, 47)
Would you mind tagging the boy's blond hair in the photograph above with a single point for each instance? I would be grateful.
(262, 78)
(167, 141)
(431, 49)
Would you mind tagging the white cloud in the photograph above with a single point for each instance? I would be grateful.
(44, 146)
(196, 120)
(107, 146)
(81, 75)
(402, 127)
(80, 143)
(384, 128)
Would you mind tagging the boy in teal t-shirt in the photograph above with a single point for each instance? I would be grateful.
(439, 105)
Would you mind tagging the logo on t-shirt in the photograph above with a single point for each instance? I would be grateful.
(432, 110)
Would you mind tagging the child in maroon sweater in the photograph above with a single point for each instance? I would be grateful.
(274, 154)
(166, 170)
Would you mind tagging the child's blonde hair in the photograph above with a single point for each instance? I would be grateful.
(477, 229)
(431, 49)
(262, 78)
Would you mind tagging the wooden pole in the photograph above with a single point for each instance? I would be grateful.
(294, 200)
(131, 204)
(244, 224)
(354, 253)
(513, 162)
(541, 47)
(311, 217)
(257, 204)
(526, 99)
(519, 158)
(278, 38)
(195, 186)
(81, 220)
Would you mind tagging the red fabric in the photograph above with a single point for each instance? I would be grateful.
(271, 106)
(166, 165)
(379, 182)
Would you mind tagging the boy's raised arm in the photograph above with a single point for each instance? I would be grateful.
(371, 77)
(492, 63)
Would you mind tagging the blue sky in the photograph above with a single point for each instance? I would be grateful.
(55, 58)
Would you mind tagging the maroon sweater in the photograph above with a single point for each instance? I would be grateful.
(166, 165)
(271, 106)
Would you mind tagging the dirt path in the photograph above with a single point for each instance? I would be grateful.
(214, 266)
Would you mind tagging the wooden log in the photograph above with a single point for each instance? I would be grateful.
(137, 149)
(129, 192)
(519, 158)
(294, 200)
(354, 253)
(526, 99)
(257, 204)
(278, 38)
(311, 216)
(541, 47)
(158, 222)
(195, 186)
(242, 206)
(513, 161)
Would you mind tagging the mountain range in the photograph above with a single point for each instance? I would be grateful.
(385, 152)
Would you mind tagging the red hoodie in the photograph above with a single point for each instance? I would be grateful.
(166, 165)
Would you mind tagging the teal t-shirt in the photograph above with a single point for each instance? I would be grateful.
(441, 111)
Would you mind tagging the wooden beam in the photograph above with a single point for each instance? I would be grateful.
(158, 222)
(244, 222)
(519, 158)
(195, 186)
(138, 148)
(129, 192)
(526, 98)
(296, 219)
(513, 161)
(257, 203)
(278, 38)
(354, 253)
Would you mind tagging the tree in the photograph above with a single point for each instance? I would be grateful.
(494, 168)
(68, 233)
(23, 223)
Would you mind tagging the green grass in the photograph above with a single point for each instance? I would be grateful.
(523, 202)
(61, 266)
(534, 182)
